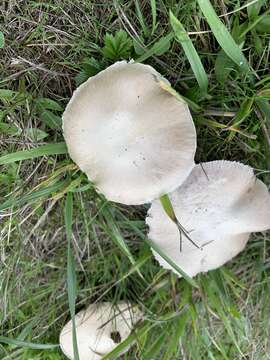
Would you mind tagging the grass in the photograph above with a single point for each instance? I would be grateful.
(46, 50)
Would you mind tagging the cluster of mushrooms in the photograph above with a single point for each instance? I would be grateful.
(136, 142)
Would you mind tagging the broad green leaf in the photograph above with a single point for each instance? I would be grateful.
(6, 94)
(161, 44)
(254, 9)
(264, 107)
(49, 104)
(117, 46)
(89, 67)
(51, 120)
(223, 36)
(49, 149)
(190, 52)
(9, 129)
(263, 26)
(223, 66)
(36, 134)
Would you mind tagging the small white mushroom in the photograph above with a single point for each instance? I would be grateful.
(133, 139)
(99, 328)
(219, 204)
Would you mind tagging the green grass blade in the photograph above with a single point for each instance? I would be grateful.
(264, 107)
(191, 53)
(176, 335)
(35, 195)
(171, 263)
(167, 206)
(2, 40)
(137, 334)
(116, 235)
(194, 107)
(26, 344)
(155, 348)
(154, 14)
(71, 274)
(223, 36)
(49, 149)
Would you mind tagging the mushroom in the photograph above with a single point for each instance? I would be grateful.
(219, 205)
(99, 328)
(134, 140)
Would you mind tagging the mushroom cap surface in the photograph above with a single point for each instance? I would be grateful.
(133, 139)
(219, 204)
(99, 328)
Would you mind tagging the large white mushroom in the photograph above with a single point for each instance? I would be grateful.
(133, 139)
(99, 328)
(219, 205)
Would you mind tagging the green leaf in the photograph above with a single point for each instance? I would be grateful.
(2, 40)
(71, 273)
(6, 94)
(9, 129)
(167, 206)
(51, 120)
(158, 48)
(36, 134)
(263, 26)
(264, 107)
(223, 66)
(162, 46)
(117, 46)
(243, 112)
(254, 9)
(49, 104)
(49, 149)
(89, 67)
(30, 345)
(223, 36)
(191, 53)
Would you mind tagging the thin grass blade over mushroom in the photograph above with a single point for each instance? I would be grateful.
(100, 328)
(133, 139)
(219, 205)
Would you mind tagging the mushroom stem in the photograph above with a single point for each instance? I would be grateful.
(168, 208)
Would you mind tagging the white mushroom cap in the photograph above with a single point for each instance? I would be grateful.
(219, 204)
(133, 139)
(96, 327)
